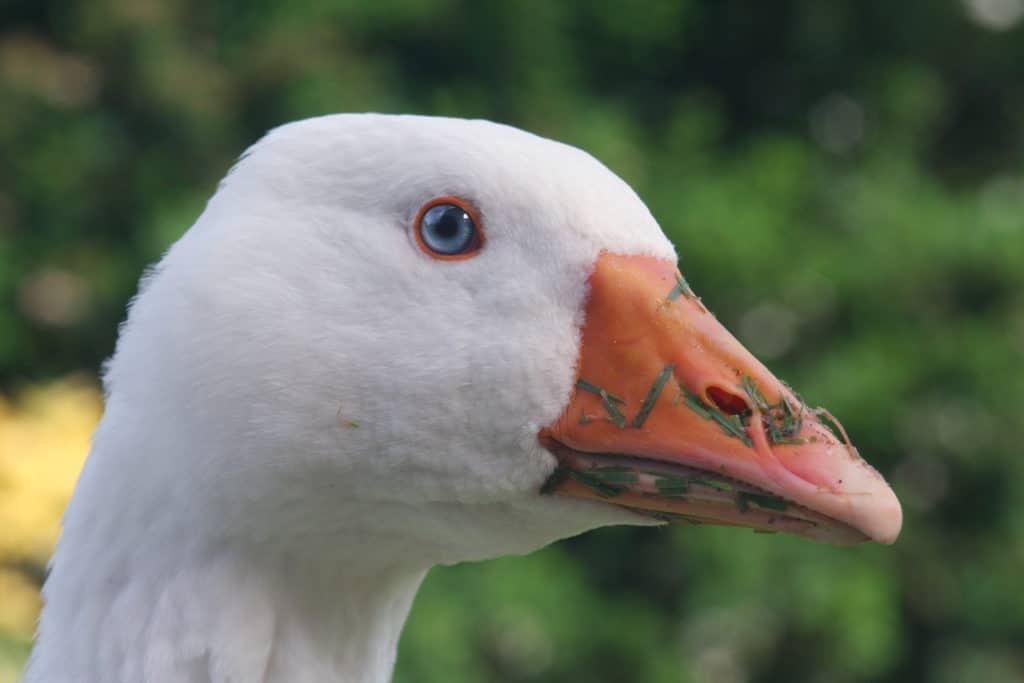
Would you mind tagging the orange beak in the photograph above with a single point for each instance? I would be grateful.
(673, 418)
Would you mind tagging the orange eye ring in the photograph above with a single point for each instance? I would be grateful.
(473, 245)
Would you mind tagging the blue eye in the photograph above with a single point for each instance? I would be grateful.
(447, 229)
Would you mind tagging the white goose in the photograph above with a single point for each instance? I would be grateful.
(379, 342)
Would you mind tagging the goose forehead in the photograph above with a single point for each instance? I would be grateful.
(392, 164)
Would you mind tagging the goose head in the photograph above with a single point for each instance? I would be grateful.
(326, 368)
(397, 341)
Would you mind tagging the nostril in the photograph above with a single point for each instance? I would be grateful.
(728, 402)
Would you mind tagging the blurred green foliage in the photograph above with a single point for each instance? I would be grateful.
(843, 180)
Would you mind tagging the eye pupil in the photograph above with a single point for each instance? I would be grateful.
(448, 226)
(448, 229)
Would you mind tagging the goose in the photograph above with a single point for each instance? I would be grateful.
(392, 342)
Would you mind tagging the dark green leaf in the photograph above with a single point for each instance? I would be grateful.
(743, 498)
(652, 395)
(594, 389)
(616, 416)
(595, 483)
(754, 392)
(672, 486)
(682, 288)
(694, 402)
(614, 474)
(714, 483)
(730, 424)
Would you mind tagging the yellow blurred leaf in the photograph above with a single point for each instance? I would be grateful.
(44, 438)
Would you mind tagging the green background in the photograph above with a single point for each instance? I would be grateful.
(843, 181)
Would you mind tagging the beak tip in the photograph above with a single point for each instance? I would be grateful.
(881, 515)
(859, 495)
(891, 522)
